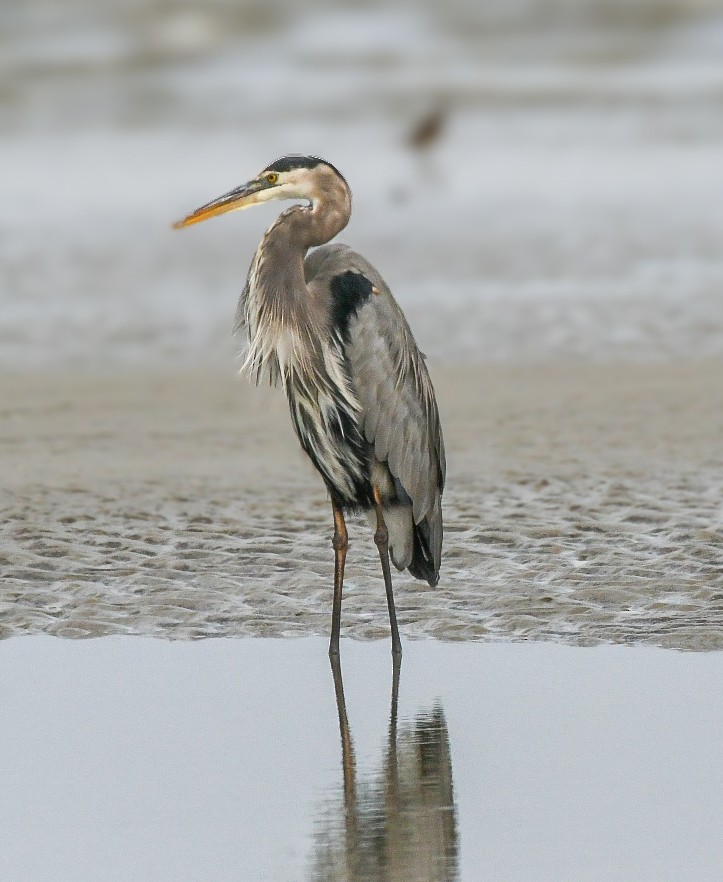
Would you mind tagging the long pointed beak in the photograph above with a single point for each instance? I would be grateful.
(242, 197)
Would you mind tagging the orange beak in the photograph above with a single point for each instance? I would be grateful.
(235, 200)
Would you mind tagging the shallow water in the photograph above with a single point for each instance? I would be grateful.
(140, 759)
(583, 252)
(570, 209)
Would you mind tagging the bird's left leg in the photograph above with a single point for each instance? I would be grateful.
(381, 538)
(340, 543)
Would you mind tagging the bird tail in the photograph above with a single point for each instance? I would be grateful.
(413, 547)
(427, 547)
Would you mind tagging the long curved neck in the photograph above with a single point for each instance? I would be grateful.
(284, 321)
(327, 216)
(279, 262)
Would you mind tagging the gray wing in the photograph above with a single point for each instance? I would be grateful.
(390, 377)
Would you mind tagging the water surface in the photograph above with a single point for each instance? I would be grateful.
(126, 758)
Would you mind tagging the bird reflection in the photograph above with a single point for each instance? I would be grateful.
(397, 825)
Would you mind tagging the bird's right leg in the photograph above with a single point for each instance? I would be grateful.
(381, 538)
(340, 543)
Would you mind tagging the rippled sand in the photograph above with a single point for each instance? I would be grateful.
(584, 504)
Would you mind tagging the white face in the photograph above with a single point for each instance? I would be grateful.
(297, 183)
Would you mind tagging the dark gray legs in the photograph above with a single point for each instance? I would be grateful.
(381, 538)
(340, 543)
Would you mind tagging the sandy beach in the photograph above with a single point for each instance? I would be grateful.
(583, 506)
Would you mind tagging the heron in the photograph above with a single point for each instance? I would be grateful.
(320, 321)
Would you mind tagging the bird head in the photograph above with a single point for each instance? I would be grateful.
(292, 177)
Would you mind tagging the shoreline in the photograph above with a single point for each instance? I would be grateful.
(584, 504)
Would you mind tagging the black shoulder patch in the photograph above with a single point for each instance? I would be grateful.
(349, 291)
(289, 163)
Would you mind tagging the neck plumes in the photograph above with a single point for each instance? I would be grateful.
(283, 324)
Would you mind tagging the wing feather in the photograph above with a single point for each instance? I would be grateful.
(399, 408)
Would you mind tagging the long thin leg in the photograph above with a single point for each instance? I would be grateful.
(381, 537)
(340, 543)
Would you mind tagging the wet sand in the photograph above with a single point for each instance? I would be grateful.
(222, 760)
(583, 505)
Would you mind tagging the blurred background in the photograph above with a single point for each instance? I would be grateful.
(537, 179)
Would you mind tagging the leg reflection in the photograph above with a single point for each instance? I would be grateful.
(392, 776)
(399, 822)
(351, 828)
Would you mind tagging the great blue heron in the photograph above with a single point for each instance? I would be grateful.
(326, 326)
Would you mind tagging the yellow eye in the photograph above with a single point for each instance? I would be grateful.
(272, 177)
